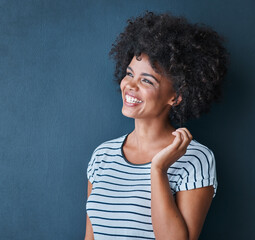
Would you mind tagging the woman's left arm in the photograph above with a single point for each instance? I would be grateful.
(182, 219)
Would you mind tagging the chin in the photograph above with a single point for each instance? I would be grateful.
(124, 113)
(127, 114)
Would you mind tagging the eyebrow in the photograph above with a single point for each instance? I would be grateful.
(145, 74)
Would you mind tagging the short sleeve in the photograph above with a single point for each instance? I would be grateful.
(91, 168)
(199, 171)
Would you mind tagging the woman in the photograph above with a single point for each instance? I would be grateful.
(157, 181)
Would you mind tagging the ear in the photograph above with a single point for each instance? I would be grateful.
(173, 99)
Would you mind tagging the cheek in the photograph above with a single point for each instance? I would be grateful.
(122, 83)
(151, 94)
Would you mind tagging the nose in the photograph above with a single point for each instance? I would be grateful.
(133, 83)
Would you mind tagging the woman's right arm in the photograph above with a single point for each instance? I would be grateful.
(89, 231)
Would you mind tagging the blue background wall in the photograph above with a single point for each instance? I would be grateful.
(58, 102)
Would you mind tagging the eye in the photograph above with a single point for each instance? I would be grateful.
(147, 81)
(144, 79)
(128, 73)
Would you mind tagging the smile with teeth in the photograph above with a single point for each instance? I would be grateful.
(130, 99)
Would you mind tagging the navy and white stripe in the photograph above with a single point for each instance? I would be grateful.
(119, 206)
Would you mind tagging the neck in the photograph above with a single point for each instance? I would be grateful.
(151, 134)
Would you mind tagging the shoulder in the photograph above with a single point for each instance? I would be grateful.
(104, 151)
(198, 150)
(198, 158)
(109, 146)
(197, 168)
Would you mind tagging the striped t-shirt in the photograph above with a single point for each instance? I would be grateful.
(119, 206)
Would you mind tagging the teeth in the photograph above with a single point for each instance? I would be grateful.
(132, 100)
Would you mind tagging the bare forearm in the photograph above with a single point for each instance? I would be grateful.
(167, 220)
(89, 231)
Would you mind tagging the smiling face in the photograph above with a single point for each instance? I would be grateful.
(145, 93)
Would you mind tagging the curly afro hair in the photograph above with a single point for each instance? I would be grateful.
(192, 57)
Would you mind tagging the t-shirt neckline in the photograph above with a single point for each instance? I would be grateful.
(123, 155)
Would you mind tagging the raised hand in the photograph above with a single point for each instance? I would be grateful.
(167, 156)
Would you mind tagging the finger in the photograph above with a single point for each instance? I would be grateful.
(188, 132)
(185, 137)
(186, 140)
(183, 132)
(177, 140)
